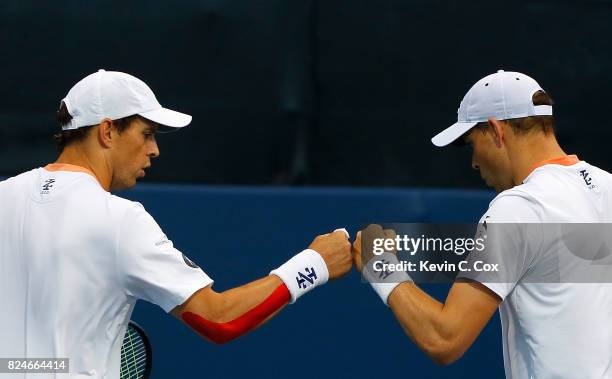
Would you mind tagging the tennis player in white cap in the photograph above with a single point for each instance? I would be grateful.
(74, 259)
(549, 329)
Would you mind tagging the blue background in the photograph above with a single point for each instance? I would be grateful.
(339, 330)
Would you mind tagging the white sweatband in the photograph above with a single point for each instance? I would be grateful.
(302, 273)
(384, 281)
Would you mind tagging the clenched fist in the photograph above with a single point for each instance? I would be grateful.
(335, 249)
(372, 232)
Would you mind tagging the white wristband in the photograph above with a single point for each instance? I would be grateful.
(302, 273)
(383, 279)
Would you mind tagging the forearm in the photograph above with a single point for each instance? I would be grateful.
(424, 320)
(222, 317)
(228, 305)
(444, 331)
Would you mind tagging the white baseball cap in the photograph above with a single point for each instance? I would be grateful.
(114, 95)
(503, 96)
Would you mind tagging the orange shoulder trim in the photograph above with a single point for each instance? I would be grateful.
(566, 160)
(68, 167)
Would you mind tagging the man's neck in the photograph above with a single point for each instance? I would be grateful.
(529, 152)
(78, 155)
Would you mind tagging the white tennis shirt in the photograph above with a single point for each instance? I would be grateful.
(553, 330)
(73, 261)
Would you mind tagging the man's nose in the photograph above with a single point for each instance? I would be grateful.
(154, 150)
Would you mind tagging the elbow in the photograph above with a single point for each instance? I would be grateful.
(219, 332)
(442, 353)
(216, 332)
(220, 338)
(209, 319)
(444, 359)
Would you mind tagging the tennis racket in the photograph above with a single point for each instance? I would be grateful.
(136, 354)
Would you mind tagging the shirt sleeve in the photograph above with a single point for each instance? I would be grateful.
(148, 265)
(512, 236)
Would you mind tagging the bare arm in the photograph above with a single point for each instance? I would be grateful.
(225, 307)
(444, 331)
(221, 317)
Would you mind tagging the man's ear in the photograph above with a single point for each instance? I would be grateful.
(497, 131)
(105, 133)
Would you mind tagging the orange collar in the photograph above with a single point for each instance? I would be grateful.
(566, 160)
(68, 167)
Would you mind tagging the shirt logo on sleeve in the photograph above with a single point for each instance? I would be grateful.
(303, 280)
(189, 262)
(163, 241)
(482, 229)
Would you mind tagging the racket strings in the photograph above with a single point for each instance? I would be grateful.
(133, 356)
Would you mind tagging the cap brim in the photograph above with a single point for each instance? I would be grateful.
(450, 134)
(167, 117)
